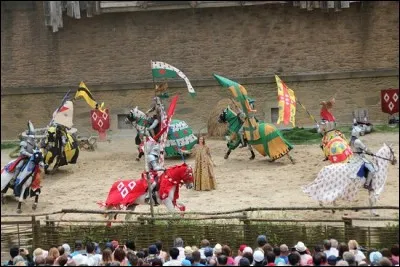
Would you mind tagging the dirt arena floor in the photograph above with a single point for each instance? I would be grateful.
(241, 183)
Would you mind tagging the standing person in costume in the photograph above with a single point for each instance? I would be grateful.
(359, 150)
(26, 151)
(204, 178)
(152, 148)
(326, 114)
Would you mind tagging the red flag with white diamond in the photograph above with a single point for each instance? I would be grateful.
(100, 122)
(390, 101)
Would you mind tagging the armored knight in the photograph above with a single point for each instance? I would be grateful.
(359, 150)
(152, 149)
(156, 118)
(26, 151)
(61, 138)
(241, 117)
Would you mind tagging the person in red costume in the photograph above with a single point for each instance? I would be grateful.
(325, 110)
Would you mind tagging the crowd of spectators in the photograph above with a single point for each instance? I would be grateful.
(328, 253)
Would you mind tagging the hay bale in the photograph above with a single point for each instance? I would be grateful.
(214, 128)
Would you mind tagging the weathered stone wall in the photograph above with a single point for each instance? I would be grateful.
(113, 49)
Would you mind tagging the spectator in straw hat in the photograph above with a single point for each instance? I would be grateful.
(306, 259)
(188, 251)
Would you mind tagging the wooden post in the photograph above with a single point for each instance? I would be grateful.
(348, 224)
(34, 233)
(246, 228)
(148, 178)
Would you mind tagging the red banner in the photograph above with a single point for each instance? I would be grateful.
(390, 101)
(100, 120)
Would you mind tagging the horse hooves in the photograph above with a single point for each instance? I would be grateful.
(251, 158)
(34, 206)
(19, 211)
(226, 157)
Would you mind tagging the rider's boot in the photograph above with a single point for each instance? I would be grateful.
(147, 197)
(242, 141)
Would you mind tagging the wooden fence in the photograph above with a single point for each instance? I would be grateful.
(227, 227)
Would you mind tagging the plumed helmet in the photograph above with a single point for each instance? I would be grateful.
(31, 130)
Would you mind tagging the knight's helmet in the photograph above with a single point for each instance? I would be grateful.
(30, 134)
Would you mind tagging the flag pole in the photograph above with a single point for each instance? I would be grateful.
(309, 114)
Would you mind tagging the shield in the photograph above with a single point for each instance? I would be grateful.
(64, 114)
(390, 101)
(100, 120)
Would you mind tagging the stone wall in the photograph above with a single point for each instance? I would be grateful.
(255, 41)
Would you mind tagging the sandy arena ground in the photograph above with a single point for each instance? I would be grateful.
(241, 183)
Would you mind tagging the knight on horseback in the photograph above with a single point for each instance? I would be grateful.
(61, 136)
(241, 117)
(153, 151)
(157, 117)
(26, 151)
(360, 149)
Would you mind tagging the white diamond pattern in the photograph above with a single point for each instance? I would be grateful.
(100, 123)
(386, 97)
(391, 106)
(105, 115)
(94, 116)
(395, 97)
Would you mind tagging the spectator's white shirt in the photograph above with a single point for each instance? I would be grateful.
(173, 263)
(81, 259)
(181, 254)
(332, 251)
(358, 255)
(94, 259)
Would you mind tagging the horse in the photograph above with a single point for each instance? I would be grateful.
(180, 135)
(127, 194)
(264, 137)
(339, 181)
(28, 180)
(51, 150)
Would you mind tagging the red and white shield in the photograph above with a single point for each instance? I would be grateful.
(390, 101)
(100, 120)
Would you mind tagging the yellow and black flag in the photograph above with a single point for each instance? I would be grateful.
(84, 92)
